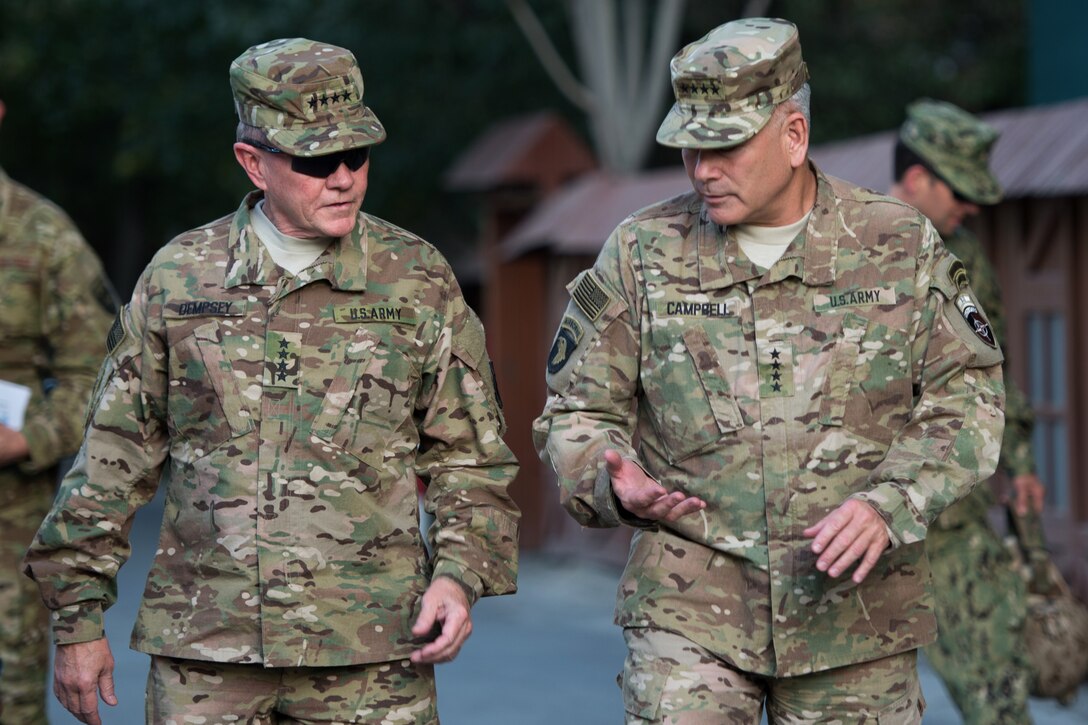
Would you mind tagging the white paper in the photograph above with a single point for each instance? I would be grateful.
(13, 402)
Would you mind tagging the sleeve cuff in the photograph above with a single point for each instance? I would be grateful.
(903, 524)
(40, 446)
(77, 623)
(469, 581)
(609, 509)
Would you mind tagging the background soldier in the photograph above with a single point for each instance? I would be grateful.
(942, 169)
(57, 307)
(810, 381)
(288, 370)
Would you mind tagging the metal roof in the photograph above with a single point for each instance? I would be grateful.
(578, 218)
(535, 149)
(1043, 151)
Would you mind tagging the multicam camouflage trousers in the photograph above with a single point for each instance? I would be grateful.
(192, 691)
(981, 607)
(668, 679)
(24, 620)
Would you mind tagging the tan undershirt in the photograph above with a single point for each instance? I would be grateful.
(766, 245)
(291, 253)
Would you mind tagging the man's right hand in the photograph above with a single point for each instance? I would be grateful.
(80, 672)
(644, 497)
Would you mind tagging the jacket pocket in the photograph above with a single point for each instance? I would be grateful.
(643, 684)
(686, 387)
(204, 402)
(368, 399)
(845, 370)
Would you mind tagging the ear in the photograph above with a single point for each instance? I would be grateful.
(914, 178)
(250, 161)
(795, 138)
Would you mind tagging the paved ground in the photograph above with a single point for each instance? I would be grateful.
(547, 655)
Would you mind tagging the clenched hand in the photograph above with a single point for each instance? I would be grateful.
(445, 606)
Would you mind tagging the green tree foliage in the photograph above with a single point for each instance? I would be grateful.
(120, 110)
(870, 58)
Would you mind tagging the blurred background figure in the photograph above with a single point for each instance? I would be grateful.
(57, 307)
(942, 168)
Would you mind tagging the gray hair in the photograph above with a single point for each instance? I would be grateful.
(244, 133)
(801, 101)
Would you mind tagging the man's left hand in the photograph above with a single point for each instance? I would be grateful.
(851, 532)
(445, 606)
(1029, 494)
(13, 446)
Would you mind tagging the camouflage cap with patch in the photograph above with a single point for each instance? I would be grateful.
(728, 83)
(956, 145)
(304, 97)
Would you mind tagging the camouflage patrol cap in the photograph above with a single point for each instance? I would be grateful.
(728, 83)
(956, 145)
(304, 97)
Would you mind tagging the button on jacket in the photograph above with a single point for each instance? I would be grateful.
(857, 366)
(288, 418)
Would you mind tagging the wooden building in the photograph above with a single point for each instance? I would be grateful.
(1037, 238)
(509, 172)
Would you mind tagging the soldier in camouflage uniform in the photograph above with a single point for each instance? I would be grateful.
(57, 308)
(780, 380)
(942, 169)
(288, 371)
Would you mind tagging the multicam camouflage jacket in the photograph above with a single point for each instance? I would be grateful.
(57, 309)
(857, 366)
(288, 417)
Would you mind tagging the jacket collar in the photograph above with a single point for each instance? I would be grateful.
(342, 264)
(810, 257)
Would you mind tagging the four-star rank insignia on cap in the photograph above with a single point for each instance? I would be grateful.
(973, 315)
(327, 99)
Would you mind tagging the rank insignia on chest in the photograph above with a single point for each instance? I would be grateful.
(281, 359)
(566, 340)
(975, 320)
(775, 369)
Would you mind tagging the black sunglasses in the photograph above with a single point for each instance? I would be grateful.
(321, 167)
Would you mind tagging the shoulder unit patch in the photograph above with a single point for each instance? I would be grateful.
(957, 275)
(973, 316)
(566, 340)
